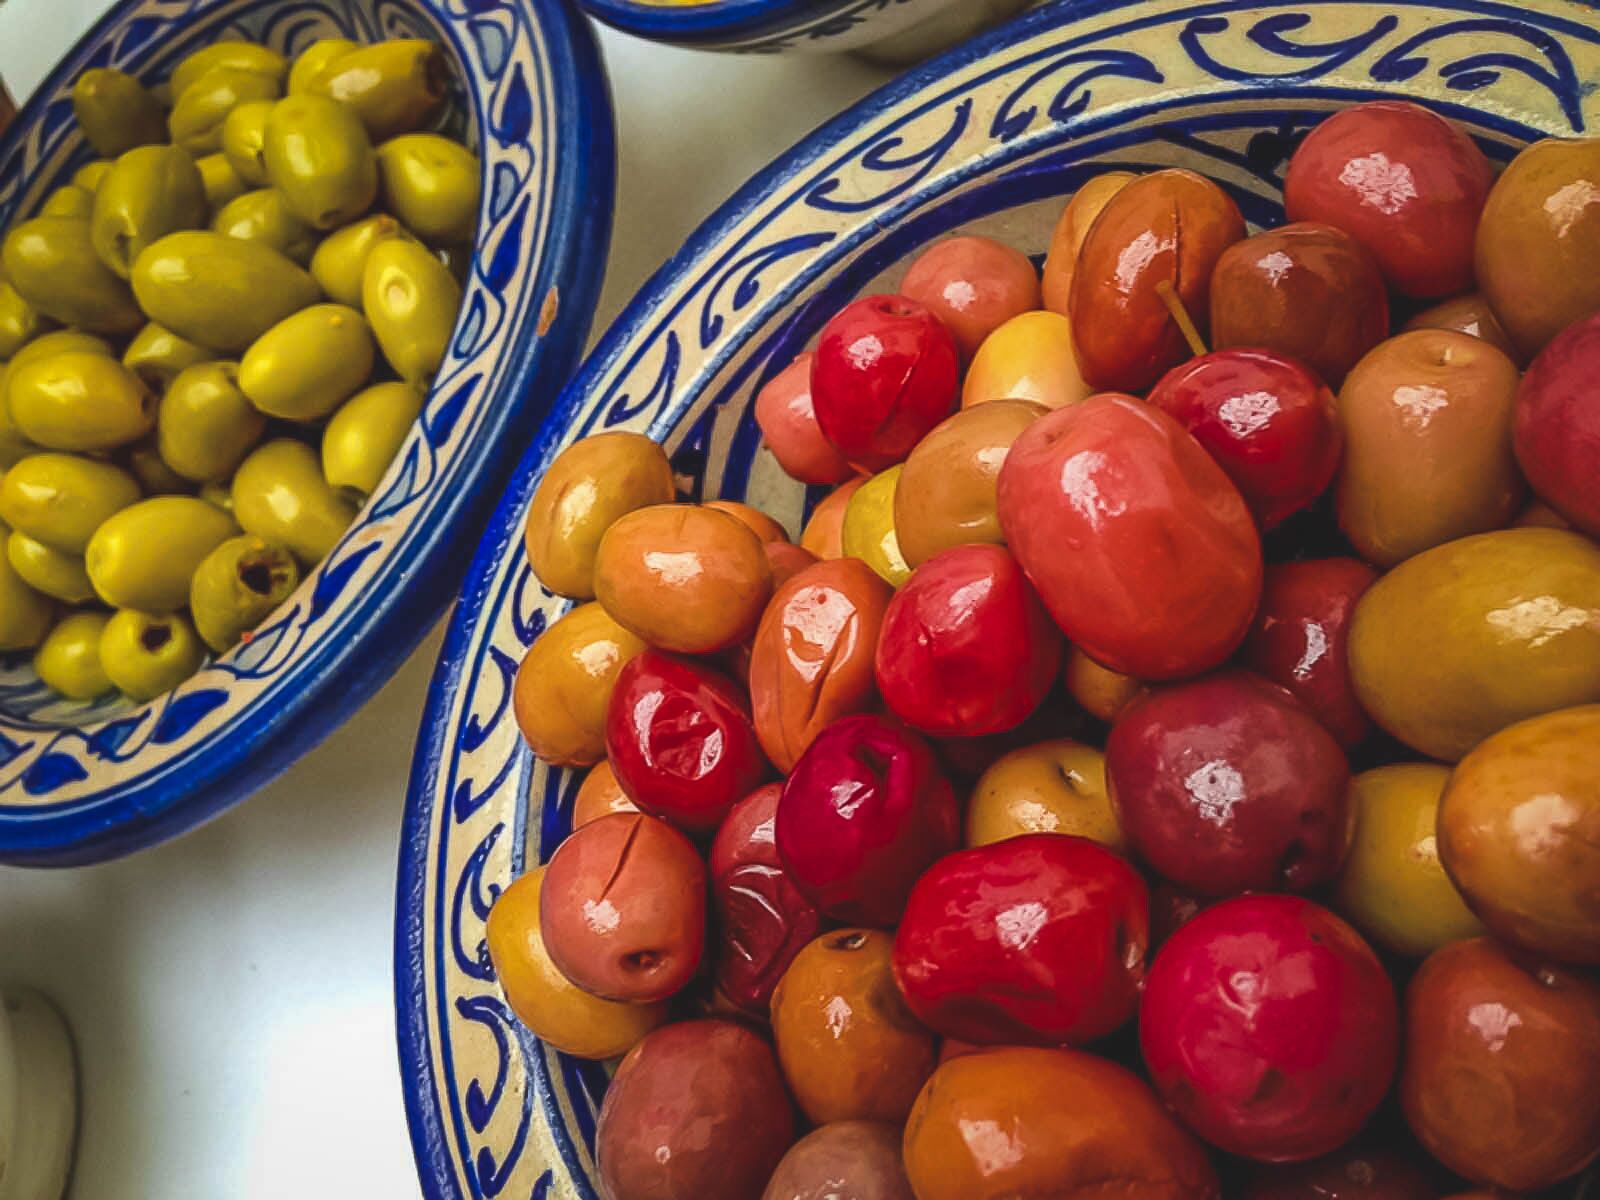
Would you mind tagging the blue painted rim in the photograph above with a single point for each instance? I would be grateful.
(717, 21)
(384, 631)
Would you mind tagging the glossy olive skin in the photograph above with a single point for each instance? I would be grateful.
(79, 401)
(206, 425)
(315, 59)
(1235, 765)
(1502, 1064)
(678, 736)
(1057, 786)
(812, 661)
(1166, 564)
(195, 122)
(317, 153)
(767, 529)
(279, 494)
(68, 660)
(849, 1046)
(244, 141)
(1072, 227)
(220, 181)
(25, 615)
(116, 112)
(1427, 421)
(157, 356)
(1125, 335)
(649, 883)
(1471, 636)
(1355, 1172)
(1073, 1127)
(234, 55)
(599, 795)
(1308, 291)
(1517, 833)
(1393, 886)
(864, 812)
(1100, 691)
(973, 285)
(823, 534)
(946, 493)
(309, 363)
(61, 499)
(411, 299)
(52, 264)
(365, 434)
(1030, 357)
(394, 86)
(1557, 425)
(1541, 217)
(144, 556)
(564, 684)
(340, 260)
(89, 175)
(264, 216)
(219, 291)
(237, 586)
(20, 322)
(696, 1111)
(1301, 636)
(149, 192)
(868, 532)
(684, 578)
(843, 1160)
(1269, 1027)
(1470, 314)
(432, 185)
(49, 571)
(1404, 182)
(788, 421)
(146, 656)
(546, 1001)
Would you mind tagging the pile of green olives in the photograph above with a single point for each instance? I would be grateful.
(213, 340)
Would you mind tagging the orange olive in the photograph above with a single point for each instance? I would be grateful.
(824, 532)
(598, 796)
(1030, 357)
(757, 522)
(1102, 692)
(564, 685)
(1050, 787)
(1469, 314)
(787, 560)
(1061, 263)
(973, 285)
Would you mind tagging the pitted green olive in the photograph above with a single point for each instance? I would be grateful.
(315, 59)
(309, 363)
(89, 175)
(411, 300)
(144, 556)
(195, 121)
(244, 133)
(49, 571)
(68, 200)
(220, 180)
(156, 355)
(340, 260)
(206, 426)
(146, 655)
(52, 263)
(319, 156)
(432, 184)
(61, 499)
(219, 291)
(79, 402)
(250, 57)
(20, 322)
(365, 434)
(279, 494)
(115, 111)
(25, 615)
(219, 495)
(395, 86)
(149, 192)
(237, 587)
(264, 216)
(68, 659)
(155, 477)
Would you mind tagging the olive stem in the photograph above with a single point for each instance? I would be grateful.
(1180, 316)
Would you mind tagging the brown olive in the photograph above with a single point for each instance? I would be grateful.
(844, 1160)
(1469, 314)
(1066, 243)
(564, 684)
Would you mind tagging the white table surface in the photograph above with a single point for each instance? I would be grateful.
(231, 992)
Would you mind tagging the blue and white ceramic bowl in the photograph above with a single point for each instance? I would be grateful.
(79, 783)
(988, 138)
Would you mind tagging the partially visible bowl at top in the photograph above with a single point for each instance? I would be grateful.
(85, 782)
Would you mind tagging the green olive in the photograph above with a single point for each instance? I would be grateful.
(25, 615)
(13, 446)
(146, 655)
(366, 433)
(309, 363)
(315, 59)
(156, 355)
(432, 184)
(250, 57)
(79, 402)
(150, 192)
(341, 257)
(20, 322)
(244, 133)
(221, 181)
(195, 121)
(219, 291)
(68, 659)
(89, 175)
(279, 494)
(155, 477)
(61, 499)
(395, 86)
(237, 587)
(206, 426)
(411, 299)
(144, 555)
(115, 111)
(61, 341)
(52, 263)
(319, 156)
(68, 200)
(264, 216)
(49, 571)
(219, 495)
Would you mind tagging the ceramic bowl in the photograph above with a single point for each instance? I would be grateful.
(988, 138)
(79, 783)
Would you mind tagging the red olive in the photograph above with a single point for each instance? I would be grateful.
(788, 422)
(974, 285)
(1557, 425)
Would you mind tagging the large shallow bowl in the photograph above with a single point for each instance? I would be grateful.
(79, 783)
(987, 138)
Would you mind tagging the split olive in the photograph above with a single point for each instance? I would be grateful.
(237, 586)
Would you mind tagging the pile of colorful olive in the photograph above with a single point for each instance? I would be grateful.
(1109, 795)
(212, 343)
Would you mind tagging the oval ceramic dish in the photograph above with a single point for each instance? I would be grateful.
(988, 138)
(79, 783)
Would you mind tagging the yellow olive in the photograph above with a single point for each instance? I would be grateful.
(394, 86)
(219, 291)
(237, 56)
(68, 659)
(52, 263)
(206, 426)
(279, 494)
(565, 682)
(68, 200)
(318, 155)
(309, 363)
(315, 59)
(264, 216)
(146, 655)
(156, 355)
(195, 121)
(340, 260)
(155, 476)
(365, 434)
(116, 112)
(432, 184)
(149, 192)
(61, 499)
(79, 402)
(20, 322)
(869, 532)
(25, 615)
(412, 300)
(89, 175)
(49, 571)
(244, 137)
(237, 586)
(144, 556)
(220, 180)
(1049, 787)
